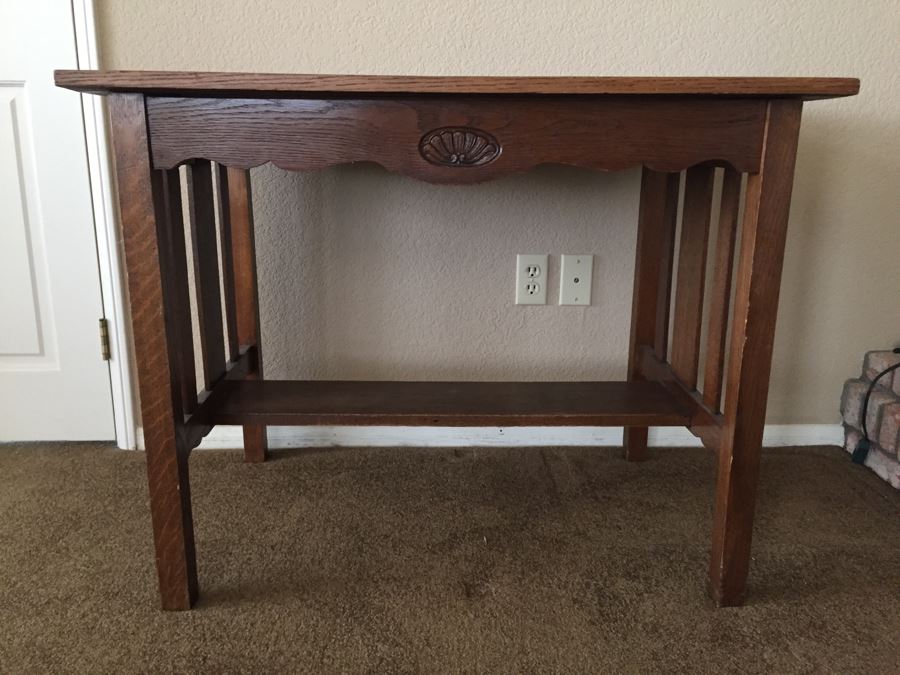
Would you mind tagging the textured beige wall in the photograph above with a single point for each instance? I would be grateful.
(366, 274)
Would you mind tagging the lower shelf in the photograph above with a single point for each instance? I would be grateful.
(302, 403)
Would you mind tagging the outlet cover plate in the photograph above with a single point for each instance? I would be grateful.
(531, 279)
(575, 277)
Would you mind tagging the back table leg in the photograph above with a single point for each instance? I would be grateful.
(652, 283)
(243, 254)
(753, 331)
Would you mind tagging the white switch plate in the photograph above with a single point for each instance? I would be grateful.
(575, 274)
(531, 279)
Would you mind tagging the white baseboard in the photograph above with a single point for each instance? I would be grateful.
(776, 435)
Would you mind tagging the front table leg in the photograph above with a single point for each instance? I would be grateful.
(145, 232)
(753, 332)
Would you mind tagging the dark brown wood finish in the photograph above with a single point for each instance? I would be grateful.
(142, 210)
(243, 259)
(228, 290)
(444, 403)
(456, 130)
(222, 85)
(206, 273)
(666, 260)
(691, 280)
(763, 233)
(174, 251)
(720, 289)
(652, 282)
(196, 427)
(599, 133)
(705, 423)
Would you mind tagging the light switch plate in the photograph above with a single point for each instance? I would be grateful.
(575, 275)
(531, 279)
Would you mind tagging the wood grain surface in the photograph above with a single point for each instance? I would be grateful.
(652, 282)
(608, 134)
(156, 335)
(253, 84)
(757, 286)
(705, 423)
(287, 402)
(226, 245)
(246, 293)
(691, 281)
(457, 130)
(206, 273)
(720, 288)
(173, 255)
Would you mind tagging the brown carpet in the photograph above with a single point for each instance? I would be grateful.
(432, 561)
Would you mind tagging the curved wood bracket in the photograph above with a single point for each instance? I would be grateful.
(432, 138)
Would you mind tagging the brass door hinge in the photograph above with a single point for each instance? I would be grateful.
(104, 340)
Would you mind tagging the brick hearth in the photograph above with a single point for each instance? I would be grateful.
(882, 416)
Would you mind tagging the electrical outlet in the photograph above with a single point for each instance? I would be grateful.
(575, 275)
(531, 279)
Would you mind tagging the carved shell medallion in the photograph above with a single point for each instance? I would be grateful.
(459, 147)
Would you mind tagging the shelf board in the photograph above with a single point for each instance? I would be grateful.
(303, 403)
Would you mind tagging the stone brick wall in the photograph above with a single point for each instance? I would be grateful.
(882, 415)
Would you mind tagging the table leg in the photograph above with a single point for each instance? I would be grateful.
(146, 234)
(753, 329)
(243, 255)
(652, 283)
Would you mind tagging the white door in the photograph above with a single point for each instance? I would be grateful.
(54, 384)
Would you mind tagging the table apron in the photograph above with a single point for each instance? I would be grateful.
(459, 139)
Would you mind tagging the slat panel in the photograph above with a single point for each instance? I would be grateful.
(444, 403)
(174, 259)
(206, 274)
(228, 275)
(688, 318)
(723, 264)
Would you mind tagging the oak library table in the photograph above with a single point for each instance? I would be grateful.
(457, 130)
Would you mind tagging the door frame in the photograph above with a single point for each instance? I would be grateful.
(106, 232)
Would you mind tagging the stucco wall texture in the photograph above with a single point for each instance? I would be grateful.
(369, 275)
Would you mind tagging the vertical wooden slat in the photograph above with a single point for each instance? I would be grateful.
(652, 281)
(177, 265)
(143, 214)
(665, 262)
(717, 321)
(687, 323)
(206, 274)
(228, 291)
(246, 293)
(757, 284)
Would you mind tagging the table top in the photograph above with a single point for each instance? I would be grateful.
(205, 84)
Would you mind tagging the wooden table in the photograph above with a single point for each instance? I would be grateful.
(457, 130)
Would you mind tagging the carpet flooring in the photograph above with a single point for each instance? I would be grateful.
(445, 561)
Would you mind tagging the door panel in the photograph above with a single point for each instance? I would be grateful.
(21, 335)
(53, 383)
